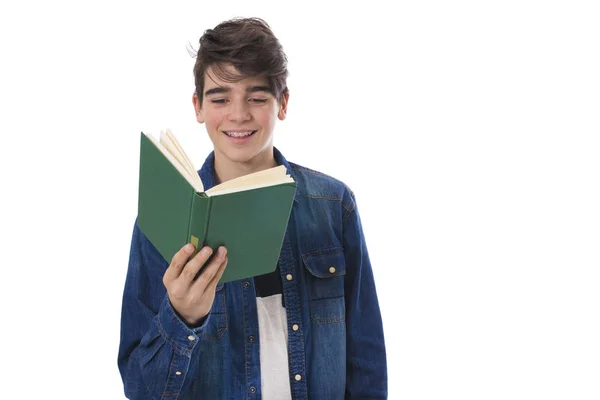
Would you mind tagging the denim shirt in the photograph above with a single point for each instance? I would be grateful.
(336, 346)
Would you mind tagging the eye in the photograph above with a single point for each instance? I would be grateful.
(218, 101)
(261, 101)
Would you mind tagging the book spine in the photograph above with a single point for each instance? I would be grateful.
(207, 223)
(198, 227)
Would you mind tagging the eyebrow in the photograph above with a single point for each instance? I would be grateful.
(249, 89)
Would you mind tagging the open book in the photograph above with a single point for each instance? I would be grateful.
(248, 215)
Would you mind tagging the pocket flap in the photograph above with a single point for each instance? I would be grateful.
(325, 264)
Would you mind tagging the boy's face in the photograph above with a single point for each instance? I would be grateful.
(240, 116)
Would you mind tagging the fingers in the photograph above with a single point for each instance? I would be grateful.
(218, 275)
(177, 263)
(210, 287)
(190, 270)
(186, 271)
(211, 271)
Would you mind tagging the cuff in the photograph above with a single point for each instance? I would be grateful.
(182, 337)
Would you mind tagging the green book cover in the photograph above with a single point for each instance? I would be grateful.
(250, 223)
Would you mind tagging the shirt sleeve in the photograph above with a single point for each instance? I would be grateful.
(366, 366)
(156, 347)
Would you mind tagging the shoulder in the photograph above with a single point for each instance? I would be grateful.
(316, 185)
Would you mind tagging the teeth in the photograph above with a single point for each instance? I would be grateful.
(239, 134)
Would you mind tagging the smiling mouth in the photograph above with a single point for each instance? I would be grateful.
(239, 134)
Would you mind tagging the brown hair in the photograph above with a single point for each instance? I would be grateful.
(250, 46)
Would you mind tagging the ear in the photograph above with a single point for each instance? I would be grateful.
(283, 105)
(198, 108)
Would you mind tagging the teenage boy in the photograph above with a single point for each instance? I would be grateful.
(310, 330)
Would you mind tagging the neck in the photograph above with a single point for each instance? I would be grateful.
(227, 169)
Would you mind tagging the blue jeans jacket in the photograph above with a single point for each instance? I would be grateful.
(337, 350)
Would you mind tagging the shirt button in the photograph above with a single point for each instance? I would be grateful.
(178, 373)
(332, 270)
(295, 327)
(298, 377)
(246, 284)
(289, 277)
(252, 389)
(251, 339)
(191, 338)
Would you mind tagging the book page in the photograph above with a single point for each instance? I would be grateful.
(268, 177)
(169, 140)
(274, 173)
(193, 179)
(223, 191)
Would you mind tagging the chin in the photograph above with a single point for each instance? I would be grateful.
(240, 155)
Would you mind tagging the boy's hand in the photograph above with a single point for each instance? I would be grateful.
(192, 298)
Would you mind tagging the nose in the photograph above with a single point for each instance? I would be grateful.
(239, 111)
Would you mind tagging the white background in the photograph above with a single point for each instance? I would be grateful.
(467, 129)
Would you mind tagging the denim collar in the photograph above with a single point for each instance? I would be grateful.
(209, 177)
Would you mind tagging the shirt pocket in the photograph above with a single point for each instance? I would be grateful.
(216, 325)
(325, 277)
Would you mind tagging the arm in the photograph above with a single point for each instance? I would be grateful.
(366, 368)
(155, 353)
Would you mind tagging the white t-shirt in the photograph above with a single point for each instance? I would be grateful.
(273, 338)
